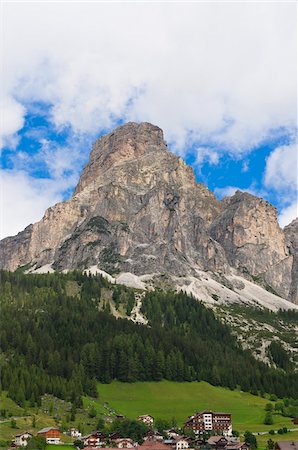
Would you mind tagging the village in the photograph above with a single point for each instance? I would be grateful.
(206, 430)
(205, 423)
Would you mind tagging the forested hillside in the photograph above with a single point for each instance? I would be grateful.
(58, 336)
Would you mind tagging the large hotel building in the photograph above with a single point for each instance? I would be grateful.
(208, 421)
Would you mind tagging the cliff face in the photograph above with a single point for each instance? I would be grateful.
(248, 230)
(137, 208)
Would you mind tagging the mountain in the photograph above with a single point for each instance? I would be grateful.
(139, 215)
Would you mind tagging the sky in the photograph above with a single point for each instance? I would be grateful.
(219, 78)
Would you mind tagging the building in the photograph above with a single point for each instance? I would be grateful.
(95, 439)
(153, 435)
(181, 443)
(153, 445)
(286, 445)
(73, 432)
(295, 421)
(123, 443)
(52, 435)
(172, 433)
(21, 440)
(217, 442)
(209, 421)
(238, 446)
(147, 419)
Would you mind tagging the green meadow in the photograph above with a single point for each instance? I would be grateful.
(168, 399)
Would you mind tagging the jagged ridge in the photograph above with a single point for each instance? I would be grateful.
(137, 208)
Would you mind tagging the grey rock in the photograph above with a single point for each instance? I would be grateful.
(137, 208)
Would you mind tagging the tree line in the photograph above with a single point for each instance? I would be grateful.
(57, 338)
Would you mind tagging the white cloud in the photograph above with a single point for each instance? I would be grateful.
(288, 214)
(228, 191)
(216, 72)
(281, 171)
(23, 200)
(206, 154)
(11, 121)
(281, 176)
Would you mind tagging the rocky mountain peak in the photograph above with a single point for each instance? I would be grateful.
(126, 143)
(138, 209)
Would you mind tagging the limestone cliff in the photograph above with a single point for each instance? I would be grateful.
(137, 208)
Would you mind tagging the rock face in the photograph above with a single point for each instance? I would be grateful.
(137, 208)
(248, 230)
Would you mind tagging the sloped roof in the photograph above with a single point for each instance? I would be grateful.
(45, 430)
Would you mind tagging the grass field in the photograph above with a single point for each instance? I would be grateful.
(166, 399)
(290, 436)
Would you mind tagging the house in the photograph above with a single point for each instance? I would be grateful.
(94, 439)
(21, 440)
(73, 432)
(237, 446)
(146, 419)
(207, 421)
(181, 443)
(286, 445)
(217, 442)
(52, 435)
(153, 435)
(123, 443)
(153, 445)
(295, 421)
(172, 433)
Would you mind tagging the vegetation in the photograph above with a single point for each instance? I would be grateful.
(170, 400)
(57, 340)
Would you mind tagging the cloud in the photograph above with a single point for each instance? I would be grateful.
(288, 214)
(12, 120)
(205, 154)
(281, 171)
(228, 191)
(201, 71)
(23, 200)
(281, 176)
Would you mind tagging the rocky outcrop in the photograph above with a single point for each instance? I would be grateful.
(137, 208)
(248, 230)
(291, 235)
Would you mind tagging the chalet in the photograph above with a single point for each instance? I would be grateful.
(237, 446)
(217, 442)
(123, 443)
(146, 419)
(286, 445)
(73, 432)
(153, 435)
(172, 433)
(21, 440)
(295, 421)
(94, 439)
(181, 443)
(52, 435)
(209, 421)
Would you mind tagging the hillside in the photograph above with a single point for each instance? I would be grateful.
(165, 399)
(67, 337)
(168, 400)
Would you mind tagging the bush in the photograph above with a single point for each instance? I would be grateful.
(271, 432)
(268, 419)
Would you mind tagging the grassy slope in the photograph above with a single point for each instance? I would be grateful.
(262, 440)
(167, 399)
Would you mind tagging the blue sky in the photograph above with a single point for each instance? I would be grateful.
(219, 79)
